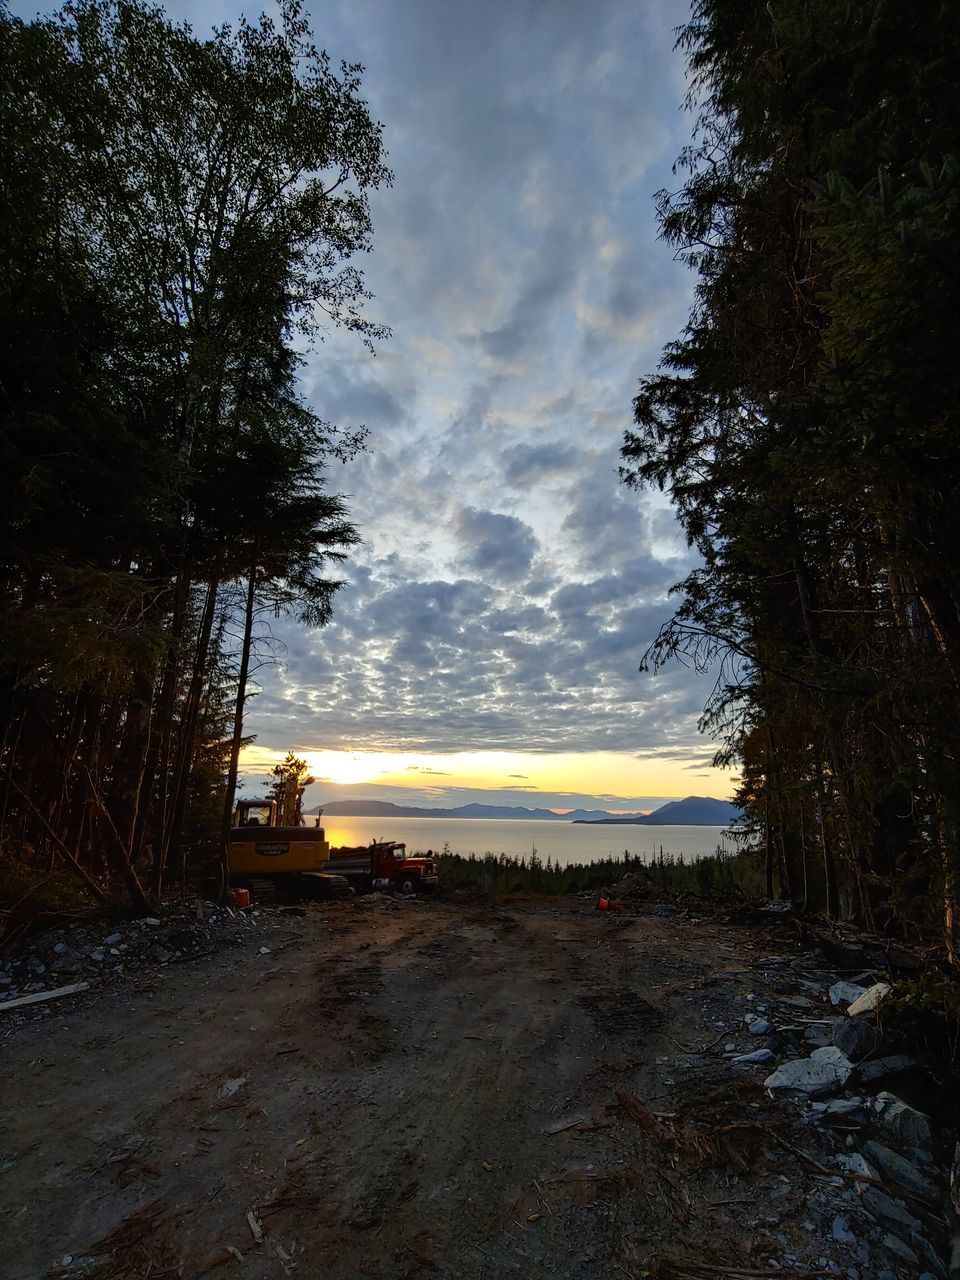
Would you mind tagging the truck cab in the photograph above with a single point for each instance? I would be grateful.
(384, 864)
(394, 869)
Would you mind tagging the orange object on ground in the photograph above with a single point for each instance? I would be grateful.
(239, 897)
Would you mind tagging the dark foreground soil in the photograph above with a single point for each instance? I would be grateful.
(423, 1089)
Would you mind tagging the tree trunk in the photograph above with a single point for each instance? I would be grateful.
(131, 760)
(186, 742)
(154, 787)
(8, 758)
(237, 732)
(768, 786)
(829, 868)
(803, 856)
(950, 870)
(138, 895)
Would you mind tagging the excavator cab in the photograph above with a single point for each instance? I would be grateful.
(255, 813)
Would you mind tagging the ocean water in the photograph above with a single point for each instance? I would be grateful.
(564, 842)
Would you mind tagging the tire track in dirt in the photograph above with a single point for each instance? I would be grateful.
(426, 1089)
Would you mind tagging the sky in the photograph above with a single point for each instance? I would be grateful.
(487, 643)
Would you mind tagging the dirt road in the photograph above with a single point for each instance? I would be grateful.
(410, 1089)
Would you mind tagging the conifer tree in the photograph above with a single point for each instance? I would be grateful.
(179, 218)
(804, 424)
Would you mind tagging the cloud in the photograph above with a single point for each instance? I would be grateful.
(380, 395)
(448, 797)
(497, 544)
(526, 464)
(547, 283)
(507, 585)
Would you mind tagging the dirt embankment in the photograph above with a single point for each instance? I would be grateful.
(433, 1089)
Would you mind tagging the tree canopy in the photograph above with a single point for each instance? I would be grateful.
(181, 219)
(805, 424)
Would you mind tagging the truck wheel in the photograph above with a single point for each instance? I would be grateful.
(406, 884)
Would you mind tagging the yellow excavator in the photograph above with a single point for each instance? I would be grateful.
(274, 860)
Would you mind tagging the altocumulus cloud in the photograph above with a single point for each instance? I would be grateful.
(496, 544)
(507, 585)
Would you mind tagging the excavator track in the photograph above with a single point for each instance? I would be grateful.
(315, 886)
(262, 889)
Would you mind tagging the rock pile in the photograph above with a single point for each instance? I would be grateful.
(897, 1204)
(87, 951)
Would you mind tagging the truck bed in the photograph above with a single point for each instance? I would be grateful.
(351, 862)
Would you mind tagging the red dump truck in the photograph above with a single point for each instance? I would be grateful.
(384, 865)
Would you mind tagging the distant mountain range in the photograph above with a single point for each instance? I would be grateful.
(694, 811)
(384, 809)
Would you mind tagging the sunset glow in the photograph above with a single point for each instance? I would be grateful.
(609, 775)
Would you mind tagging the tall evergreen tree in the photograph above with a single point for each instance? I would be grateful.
(804, 424)
(178, 216)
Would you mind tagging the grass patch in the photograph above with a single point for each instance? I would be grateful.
(26, 889)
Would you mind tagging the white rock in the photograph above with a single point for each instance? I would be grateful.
(841, 1231)
(903, 1121)
(232, 1086)
(890, 1211)
(836, 1058)
(856, 1165)
(844, 993)
(815, 1076)
(758, 1055)
(901, 1171)
(836, 1108)
(870, 1000)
